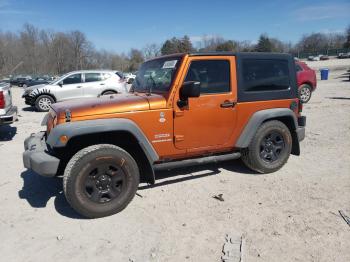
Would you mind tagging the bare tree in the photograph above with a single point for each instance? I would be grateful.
(81, 48)
(151, 51)
(210, 43)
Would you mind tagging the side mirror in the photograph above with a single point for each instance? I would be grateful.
(60, 84)
(189, 89)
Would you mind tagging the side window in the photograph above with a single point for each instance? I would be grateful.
(298, 68)
(72, 79)
(214, 75)
(92, 77)
(119, 74)
(265, 75)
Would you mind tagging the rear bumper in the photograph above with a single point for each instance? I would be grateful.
(301, 128)
(300, 133)
(9, 117)
(37, 158)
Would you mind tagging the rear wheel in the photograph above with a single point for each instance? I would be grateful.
(43, 103)
(305, 93)
(100, 180)
(269, 149)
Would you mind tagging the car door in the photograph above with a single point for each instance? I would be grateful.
(209, 120)
(93, 84)
(70, 87)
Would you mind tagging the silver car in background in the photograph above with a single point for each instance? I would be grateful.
(77, 84)
(8, 112)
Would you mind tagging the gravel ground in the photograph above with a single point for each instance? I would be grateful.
(290, 215)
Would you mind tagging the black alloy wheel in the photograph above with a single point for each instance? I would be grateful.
(271, 146)
(104, 182)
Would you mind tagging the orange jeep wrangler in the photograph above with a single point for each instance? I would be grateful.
(181, 109)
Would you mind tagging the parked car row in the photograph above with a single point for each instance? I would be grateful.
(344, 55)
(24, 81)
(33, 82)
(318, 58)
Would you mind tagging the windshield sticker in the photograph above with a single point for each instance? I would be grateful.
(170, 64)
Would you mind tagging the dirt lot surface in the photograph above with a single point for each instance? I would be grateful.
(291, 215)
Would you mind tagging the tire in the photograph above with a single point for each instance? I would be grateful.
(269, 149)
(43, 103)
(109, 92)
(305, 92)
(100, 180)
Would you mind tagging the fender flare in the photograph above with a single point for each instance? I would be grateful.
(39, 92)
(73, 129)
(261, 116)
(109, 89)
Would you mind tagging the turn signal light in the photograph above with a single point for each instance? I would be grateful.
(64, 139)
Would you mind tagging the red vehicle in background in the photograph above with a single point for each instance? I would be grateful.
(306, 78)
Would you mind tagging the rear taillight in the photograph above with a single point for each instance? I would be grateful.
(2, 100)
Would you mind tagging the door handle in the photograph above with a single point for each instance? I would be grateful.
(227, 104)
(102, 84)
(78, 86)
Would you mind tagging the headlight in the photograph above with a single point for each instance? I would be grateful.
(26, 92)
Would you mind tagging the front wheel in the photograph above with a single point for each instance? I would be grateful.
(269, 149)
(43, 103)
(305, 93)
(100, 180)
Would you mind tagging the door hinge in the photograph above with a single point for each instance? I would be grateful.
(179, 138)
(178, 113)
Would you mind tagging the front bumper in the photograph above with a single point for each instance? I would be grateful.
(29, 100)
(37, 158)
(9, 117)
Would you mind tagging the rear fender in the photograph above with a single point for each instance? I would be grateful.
(284, 115)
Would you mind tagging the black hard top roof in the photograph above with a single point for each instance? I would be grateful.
(245, 54)
(261, 55)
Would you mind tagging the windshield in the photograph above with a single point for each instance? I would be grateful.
(156, 75)
(55, 82)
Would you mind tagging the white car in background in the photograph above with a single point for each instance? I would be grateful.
(77, 84)
(129, 77)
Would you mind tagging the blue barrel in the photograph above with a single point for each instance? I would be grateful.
(324, 73)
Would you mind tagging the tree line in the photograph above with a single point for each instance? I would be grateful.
(38, 51)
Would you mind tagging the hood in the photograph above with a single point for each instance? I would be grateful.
(109, 104)
(31, 88)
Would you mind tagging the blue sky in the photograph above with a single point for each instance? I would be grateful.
(121, 25)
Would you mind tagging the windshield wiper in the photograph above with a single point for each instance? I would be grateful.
(150, 87)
